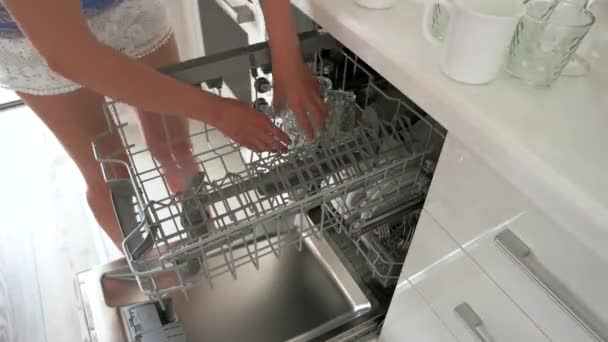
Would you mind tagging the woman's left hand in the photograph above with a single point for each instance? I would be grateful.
(297, 87)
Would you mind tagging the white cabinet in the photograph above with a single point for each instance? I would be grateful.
(409, 315)
(466, 194)
(459, 281)
(439, 274)
(430, 246)
(410, 318)
(560, 262)
(475, 205)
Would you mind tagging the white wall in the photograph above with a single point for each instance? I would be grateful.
(187, 27)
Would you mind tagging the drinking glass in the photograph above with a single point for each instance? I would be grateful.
(325, 85)
(546, 39)
(341, 116)
(593, 49)
(287, 121)
(438, 22)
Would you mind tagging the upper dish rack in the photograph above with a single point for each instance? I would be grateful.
(260, 200)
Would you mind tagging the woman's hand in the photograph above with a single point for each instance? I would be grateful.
(298, 88)
(252, 129)
(294, 84)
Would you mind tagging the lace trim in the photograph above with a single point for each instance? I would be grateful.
(155, 45)
(74, 86)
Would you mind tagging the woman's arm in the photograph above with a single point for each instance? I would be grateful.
(60, 34)
(295, 85)
(285, 47)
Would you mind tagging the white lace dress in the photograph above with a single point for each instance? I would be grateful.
(133, 27)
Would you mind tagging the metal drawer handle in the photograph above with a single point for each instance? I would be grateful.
(240, 13)
(523, 256)
(470, 318)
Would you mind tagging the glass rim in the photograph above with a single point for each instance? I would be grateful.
(586, 11)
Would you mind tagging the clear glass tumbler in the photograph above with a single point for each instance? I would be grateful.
(438, 22)
(287, 121)
(325, 85)
(342, 110)
(546, 39)
(341, 116)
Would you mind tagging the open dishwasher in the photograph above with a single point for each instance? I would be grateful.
(301, 246)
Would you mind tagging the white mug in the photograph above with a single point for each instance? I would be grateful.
(477, 35)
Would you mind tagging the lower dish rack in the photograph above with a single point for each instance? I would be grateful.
(259, 201)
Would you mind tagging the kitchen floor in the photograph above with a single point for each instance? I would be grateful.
(48, 233)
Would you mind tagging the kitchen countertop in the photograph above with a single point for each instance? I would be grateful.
(549, 143)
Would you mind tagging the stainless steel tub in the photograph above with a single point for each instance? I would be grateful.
(296, 297)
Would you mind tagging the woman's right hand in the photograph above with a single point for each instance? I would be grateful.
(250, 128)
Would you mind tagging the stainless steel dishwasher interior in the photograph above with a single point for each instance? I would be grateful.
(291, 258)
(296, 297)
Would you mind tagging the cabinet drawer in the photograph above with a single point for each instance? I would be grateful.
(451, 283)
(560, 284)
(475, 205)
